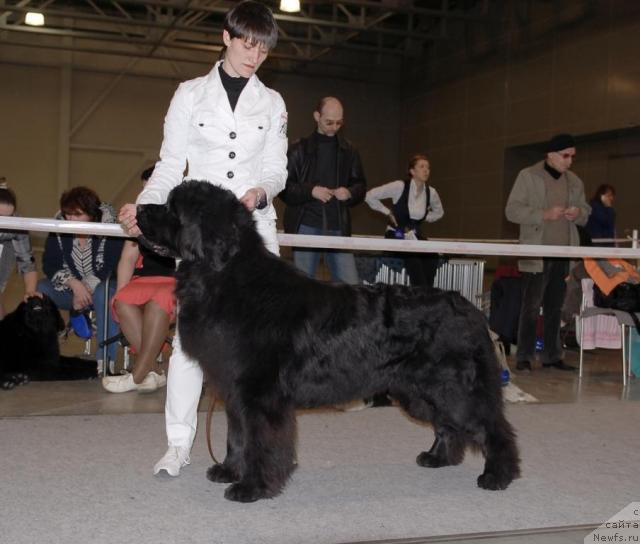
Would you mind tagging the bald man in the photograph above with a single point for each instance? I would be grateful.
(325, 179)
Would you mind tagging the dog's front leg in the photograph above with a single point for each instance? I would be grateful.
(232, 468)
(269, 451)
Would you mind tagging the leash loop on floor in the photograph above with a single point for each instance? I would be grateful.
(212, 405)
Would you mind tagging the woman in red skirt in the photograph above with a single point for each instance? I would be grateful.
(145, 307)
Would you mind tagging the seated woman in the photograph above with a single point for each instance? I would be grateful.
(77, 265)
(414, 202)
(602, 220)
(15, 247)
(145, 307)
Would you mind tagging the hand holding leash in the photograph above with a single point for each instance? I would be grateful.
(127, 218)
(254, 199)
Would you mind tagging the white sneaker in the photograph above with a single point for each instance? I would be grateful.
(119, 384)
(152, 382)
(172, 461)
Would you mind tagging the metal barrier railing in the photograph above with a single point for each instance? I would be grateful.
(356, 243)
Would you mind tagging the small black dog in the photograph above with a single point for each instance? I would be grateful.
(271, 339)
(30, 350)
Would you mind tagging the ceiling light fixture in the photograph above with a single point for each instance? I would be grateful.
(291, 6)
(34, 19)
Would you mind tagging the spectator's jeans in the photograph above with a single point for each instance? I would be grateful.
(342, 265)
(64, 301)
(7, 263)
(545, 289)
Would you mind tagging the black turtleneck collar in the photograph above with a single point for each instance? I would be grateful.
(233, 86)
(324, 139)
(551, 170)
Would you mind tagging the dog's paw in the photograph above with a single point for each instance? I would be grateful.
(493, 482)
(7, 384)
(426, 459)
(240, 492)
(21, 379)
(222, 474)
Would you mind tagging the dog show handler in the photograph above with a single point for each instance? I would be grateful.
(230, 129)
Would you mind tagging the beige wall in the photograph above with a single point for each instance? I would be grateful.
(583, 80)
(473, 122)
(113, 128)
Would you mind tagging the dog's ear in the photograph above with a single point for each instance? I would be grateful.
(190, 242)
(53, 311)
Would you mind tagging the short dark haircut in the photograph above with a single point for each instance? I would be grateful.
(7, 196)
(81, 199)
(603, 190)
(254, 22)
(146, 173)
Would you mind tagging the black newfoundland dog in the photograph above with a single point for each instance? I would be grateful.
(272, 340)
(30, 349)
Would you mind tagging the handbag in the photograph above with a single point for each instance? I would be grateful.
(625, 297)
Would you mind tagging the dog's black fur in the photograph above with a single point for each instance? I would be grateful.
(29, 346)
(271, 340)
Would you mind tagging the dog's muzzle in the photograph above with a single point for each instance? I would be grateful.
(157, 249)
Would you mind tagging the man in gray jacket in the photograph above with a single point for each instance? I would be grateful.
(547, 201)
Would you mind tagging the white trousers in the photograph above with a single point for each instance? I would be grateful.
(184, 381)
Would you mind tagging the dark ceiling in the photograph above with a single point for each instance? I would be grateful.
(350, 38)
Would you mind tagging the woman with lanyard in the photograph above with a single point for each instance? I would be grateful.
(414, 202)
(228, 128)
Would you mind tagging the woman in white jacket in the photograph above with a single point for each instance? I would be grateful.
(230, 129)
(414, 203)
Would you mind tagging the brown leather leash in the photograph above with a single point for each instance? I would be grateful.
(212, 405)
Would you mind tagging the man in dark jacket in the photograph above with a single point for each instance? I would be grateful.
(325, 179)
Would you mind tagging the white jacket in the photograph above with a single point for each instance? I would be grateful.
(205, 140)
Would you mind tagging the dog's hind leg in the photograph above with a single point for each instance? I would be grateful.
(502, 462)
(447, 449)
(492, 433)
(450, 441)
(269, 452)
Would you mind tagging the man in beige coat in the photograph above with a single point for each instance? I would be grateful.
(547, 201)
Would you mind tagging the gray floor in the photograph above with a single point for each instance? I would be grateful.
(602, 380)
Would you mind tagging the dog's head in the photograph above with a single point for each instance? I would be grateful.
(198, 221)
(40, 314)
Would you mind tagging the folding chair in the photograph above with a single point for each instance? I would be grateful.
(103, 345)
(624, 319)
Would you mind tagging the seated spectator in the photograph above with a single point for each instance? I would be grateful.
(602, 221)
(414, 203)
(77, 265)
(145, 308)
(15, 247)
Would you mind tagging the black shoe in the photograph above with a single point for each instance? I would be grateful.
(560, 365)
(523, 366)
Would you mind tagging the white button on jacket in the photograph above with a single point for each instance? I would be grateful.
(204, 139)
